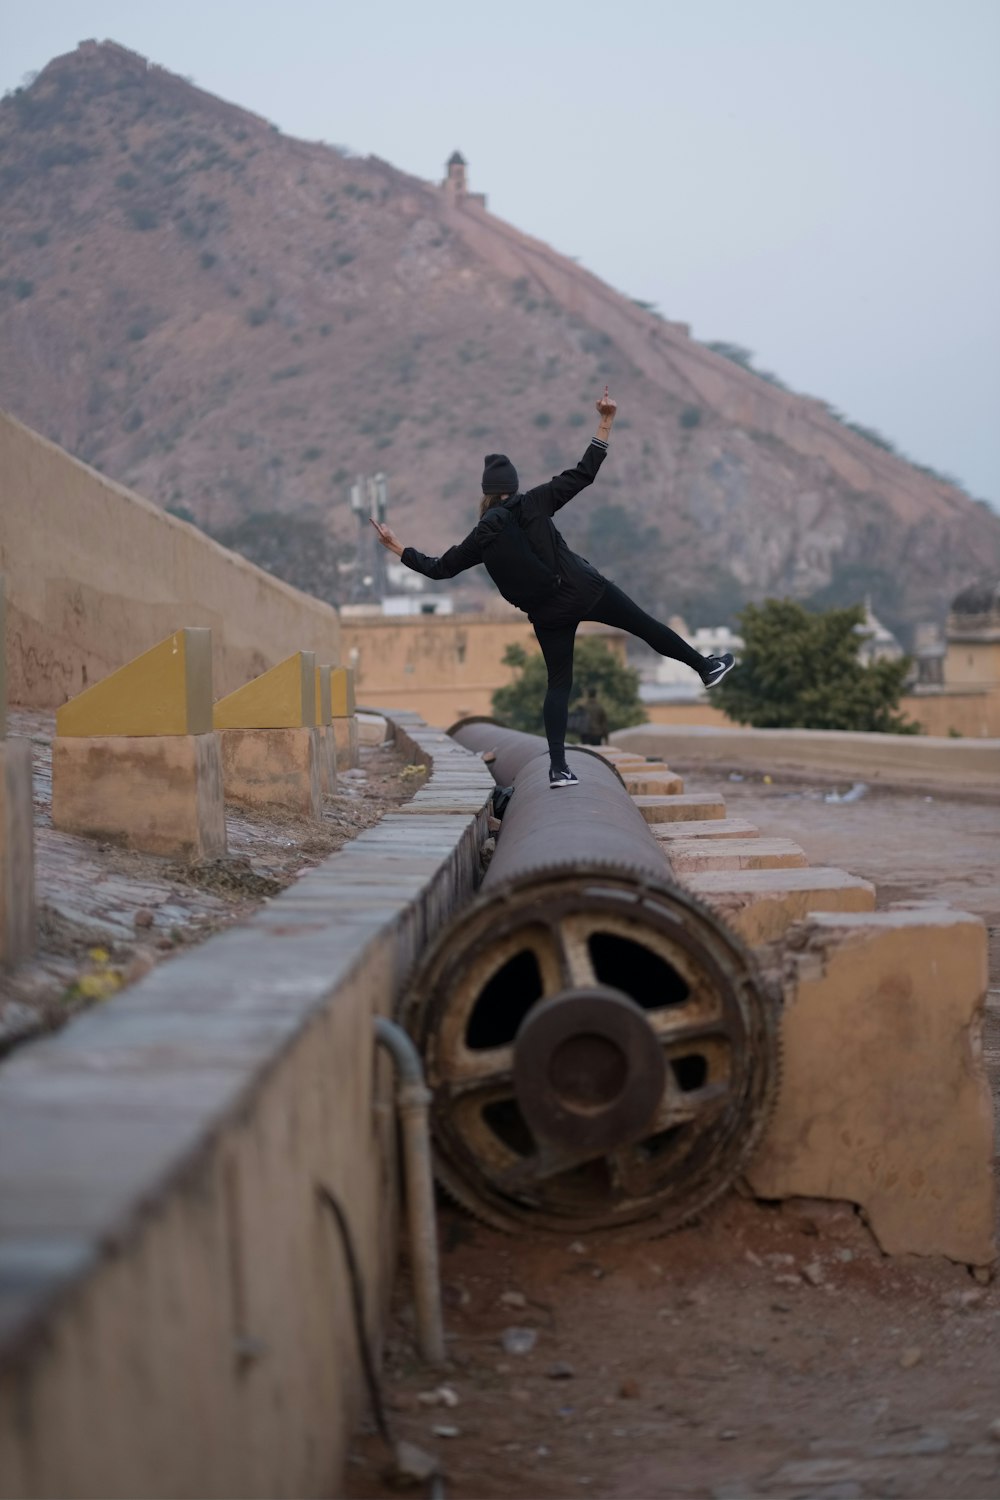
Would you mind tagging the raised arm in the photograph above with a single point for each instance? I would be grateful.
(465, 555)
(548, 498)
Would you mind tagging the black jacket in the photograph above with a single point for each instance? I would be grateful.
(580, 584)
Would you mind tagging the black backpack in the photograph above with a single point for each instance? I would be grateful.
(522, 577)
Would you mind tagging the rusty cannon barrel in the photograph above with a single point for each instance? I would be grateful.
(600, 1048)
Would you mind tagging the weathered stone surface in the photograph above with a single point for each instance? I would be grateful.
(686, 805)
(166, 690)
(688, 856)
(342, 700)
(762, 904)
(273, 768)
(345, 735)
(883, 1098)
(652, 782)
(162, 793)
(705, 828)
(373, 729)
(17, 852)
(284, 697)
(327, 760)
(158, 1163)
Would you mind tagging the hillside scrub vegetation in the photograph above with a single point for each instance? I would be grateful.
(800, 670)
(297, 549)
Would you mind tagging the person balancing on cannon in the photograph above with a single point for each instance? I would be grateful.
(534, 569)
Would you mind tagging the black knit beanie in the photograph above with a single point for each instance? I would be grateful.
(499, 475)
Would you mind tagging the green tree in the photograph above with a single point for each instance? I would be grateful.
(519, 705)
(800, 670)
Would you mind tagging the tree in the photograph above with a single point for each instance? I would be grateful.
(800, 670)
(519, 706)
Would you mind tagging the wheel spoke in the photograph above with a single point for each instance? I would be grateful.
(679, 1108)
(465, 1071)
(678, 1027)
(576, 967)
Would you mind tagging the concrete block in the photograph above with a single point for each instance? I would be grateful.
(664, 808)
(373, 729)
(17, 853)
(345, 734)
(883, 1098)
(282, 698)
(652, 782)
(274, 768)
(687, 807)
(161, 793)
(342, 703)
(167, 690)
(324, 712)
(705, 828)
(689, 856)
(328, 760)
(761, 905)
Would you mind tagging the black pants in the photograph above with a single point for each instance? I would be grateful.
(557, 641)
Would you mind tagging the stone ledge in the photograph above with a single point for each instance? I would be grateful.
(704, 828)
(883, 1099)
(692, 856)
(884, 759)
(682, 805)
(172, 1138)
(760, 905)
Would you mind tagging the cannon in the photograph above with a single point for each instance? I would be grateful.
(601, 1050)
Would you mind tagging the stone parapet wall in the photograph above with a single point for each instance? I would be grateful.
(889, 759)
(96, 575)
(174, 1306)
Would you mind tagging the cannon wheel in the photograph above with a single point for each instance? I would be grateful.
(544, 1116)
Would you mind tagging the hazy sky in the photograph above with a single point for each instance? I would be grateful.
(818, 180)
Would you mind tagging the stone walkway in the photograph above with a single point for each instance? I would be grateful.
(106, 915)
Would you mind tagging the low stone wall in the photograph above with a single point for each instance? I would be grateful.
(96, 574)
(174, 1305)
(889, 759)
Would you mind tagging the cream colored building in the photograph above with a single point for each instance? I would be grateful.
(444, 667)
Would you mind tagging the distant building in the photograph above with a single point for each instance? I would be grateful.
(973, 655)
(928, 654)
(664, 680)
(400, 606)
(876, 642)
(958, 681)
(455, 174)
(455, 184)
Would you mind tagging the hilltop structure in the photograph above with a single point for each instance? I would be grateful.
(455, 183)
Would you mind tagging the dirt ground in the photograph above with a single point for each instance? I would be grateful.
(762, 1351)
(106, 915)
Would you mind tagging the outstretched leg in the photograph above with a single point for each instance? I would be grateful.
(557, 649)
(616, 608)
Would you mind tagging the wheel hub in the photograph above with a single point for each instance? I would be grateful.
(588, 1070)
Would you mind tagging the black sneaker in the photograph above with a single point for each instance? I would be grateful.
(716, 667)
(564, 777)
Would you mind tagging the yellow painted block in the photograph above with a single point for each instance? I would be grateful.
(282, 698)
(3, 659)
(342, 692)
(167, 690)
(323, 709)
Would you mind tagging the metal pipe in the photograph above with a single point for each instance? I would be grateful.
(514, 748)
(413, 1100)
(599, 1047)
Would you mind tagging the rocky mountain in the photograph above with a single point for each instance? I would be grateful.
(235, 323)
